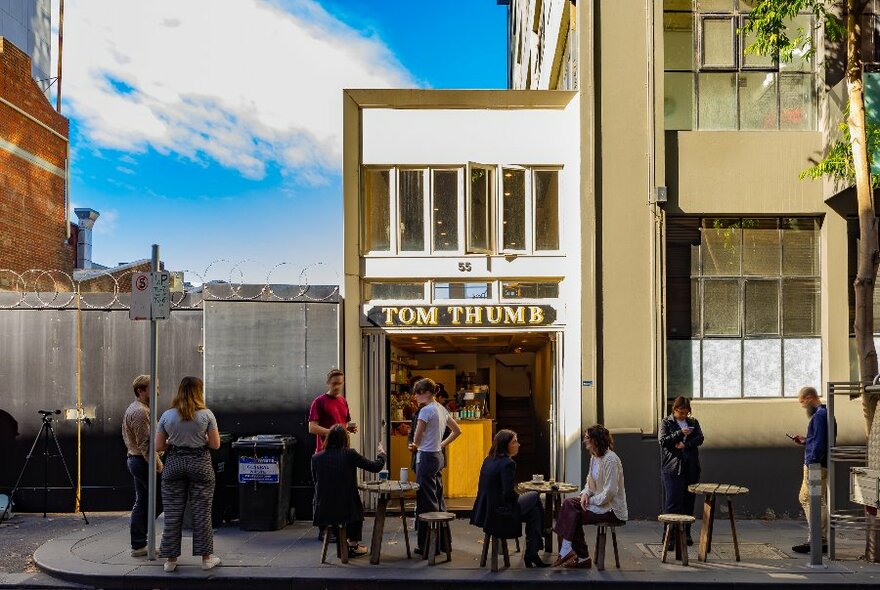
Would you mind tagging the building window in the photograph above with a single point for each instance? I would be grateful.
(387, 291)
(529, 290)
(411, 211)
(712, 84)
(454, 291)
(377, 210)
(448, 210)
(743, 306)
(444, 192)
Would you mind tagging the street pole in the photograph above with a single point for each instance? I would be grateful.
(154, 403)
(814, 484)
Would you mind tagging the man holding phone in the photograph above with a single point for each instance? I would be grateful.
(815, 451)
(328, 410)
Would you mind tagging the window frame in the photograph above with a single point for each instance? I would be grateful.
(528, 212)
(460, 221)
(533, 219)
(490, 209)
(426, 217)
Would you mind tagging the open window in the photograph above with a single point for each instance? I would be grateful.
(515, 210)
(481, 189)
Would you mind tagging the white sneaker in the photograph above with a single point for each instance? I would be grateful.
(139, 552)
(170, 566)
(210, 563)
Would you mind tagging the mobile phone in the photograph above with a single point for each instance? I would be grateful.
(789, 435)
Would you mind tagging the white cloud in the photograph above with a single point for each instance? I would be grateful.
(240, 82)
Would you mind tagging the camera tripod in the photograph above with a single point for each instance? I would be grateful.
(46, 432)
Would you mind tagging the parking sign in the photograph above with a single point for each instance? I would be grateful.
(150, 296)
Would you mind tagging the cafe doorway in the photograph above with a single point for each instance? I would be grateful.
(494, 381)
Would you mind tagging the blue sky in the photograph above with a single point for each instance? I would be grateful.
(203, 131)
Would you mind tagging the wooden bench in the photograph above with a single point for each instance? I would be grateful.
(341, 542)
(438, 532)
(675, 522)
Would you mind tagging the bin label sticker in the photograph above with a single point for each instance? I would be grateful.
(258, 469)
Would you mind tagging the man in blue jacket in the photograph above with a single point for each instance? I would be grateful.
(815, 451)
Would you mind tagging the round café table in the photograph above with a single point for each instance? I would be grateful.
(386, 490)
(552, 504)
(710, 492)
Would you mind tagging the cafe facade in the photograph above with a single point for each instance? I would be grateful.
(462, 264)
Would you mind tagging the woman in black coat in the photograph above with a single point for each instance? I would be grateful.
(337, 500)
(680, 439)
(498, 509)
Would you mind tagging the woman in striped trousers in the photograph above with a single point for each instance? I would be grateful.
(186, 432)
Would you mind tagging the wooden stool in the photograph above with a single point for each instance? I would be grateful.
(496, 545)
(676, 522)
(438, 526)
(601, 539)
(341, 542)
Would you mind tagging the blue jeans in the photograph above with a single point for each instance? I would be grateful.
(140, 471)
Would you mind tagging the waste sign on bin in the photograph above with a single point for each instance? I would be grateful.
(265, 473)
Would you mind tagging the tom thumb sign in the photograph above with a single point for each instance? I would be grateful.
(461, 315)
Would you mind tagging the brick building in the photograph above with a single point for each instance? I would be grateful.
(34, 152)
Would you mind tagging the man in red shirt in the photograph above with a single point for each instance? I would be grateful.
(328, 410)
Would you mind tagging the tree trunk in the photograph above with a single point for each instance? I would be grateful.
(867, 247)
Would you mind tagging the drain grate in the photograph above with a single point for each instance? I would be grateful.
(721, 551)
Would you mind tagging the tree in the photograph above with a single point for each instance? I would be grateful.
(847, 160)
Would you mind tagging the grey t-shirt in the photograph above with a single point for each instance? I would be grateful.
(434, 416)
(187, 434)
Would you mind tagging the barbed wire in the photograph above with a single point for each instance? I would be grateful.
(38, 288)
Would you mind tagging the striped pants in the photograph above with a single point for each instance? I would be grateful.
(187, 475)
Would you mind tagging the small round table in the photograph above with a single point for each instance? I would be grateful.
(387, 490)
(552, 505)
(711, 491)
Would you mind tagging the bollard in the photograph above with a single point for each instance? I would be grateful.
(814, 482)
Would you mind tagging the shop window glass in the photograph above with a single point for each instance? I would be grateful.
(800, 307)
(721, 300)
(753, 60)
(722, 368)
(718, 42)
(445, 291)
(445, 213)
(717, 101)
(762, 367)
(761, 249)
(801, 60)
(758, 110)
(377, 211)
(797, 97)
(513, 210)
(411, 212)
(678, 41)
(482, 191)
(721, 243)
(546, 209)
(529, 290)
(678, 102)
(800, 246)
(392, 291)
(762, 308)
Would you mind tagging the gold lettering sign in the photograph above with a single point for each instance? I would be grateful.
(419, 316)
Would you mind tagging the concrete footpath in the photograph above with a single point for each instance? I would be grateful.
(98, 556)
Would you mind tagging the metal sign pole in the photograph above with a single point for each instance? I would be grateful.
(154, 402)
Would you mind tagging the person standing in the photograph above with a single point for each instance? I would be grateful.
(326, 411)
(136, 435)
(680, 439)
(428, 442)
(337, 499)
(815, 451)
(187, 431)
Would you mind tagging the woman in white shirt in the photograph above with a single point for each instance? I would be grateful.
(603, 500)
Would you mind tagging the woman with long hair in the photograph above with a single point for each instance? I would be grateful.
(337, 501)
(428, 443)
(602, 501)
(680, 438)
(185, 432)
(498, 509)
